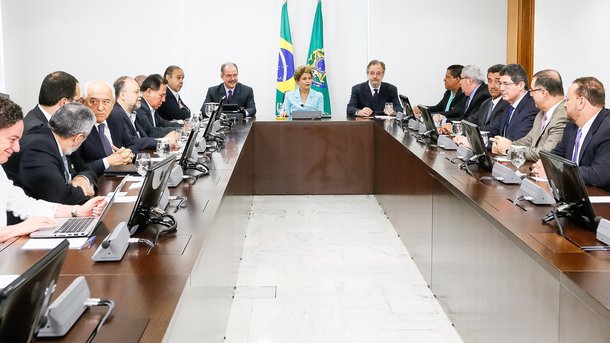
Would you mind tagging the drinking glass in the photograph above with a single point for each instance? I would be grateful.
(457, 128)
(142, 162)
(162, 147)
(388, 108)
(517, 155)
(208, 108)
(485, 136)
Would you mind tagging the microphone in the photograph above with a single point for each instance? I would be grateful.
(312, 108)
(106, 244)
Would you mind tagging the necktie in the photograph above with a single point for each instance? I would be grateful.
(575, 152)
(67, 175)
(543, 122)
(467, 104)
(104, 139)
(510, 116)
(229, 95)
(375, 93)
(448, 106)
(490, 109)
(178, 100)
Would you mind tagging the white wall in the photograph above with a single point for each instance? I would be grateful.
(572, 37)
(104, 40)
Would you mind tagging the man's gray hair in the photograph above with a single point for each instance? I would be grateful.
(474, 73)
(227, 64)
(86, 89)
(72, 119)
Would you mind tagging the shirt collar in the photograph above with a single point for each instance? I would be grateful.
(45, 113)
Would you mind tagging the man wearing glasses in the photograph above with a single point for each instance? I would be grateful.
(519, 118)
(57, 89)
(369, 98)
(547, 131)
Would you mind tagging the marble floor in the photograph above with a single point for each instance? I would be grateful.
(330, 269)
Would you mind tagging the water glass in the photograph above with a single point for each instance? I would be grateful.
(388, 108)
(485, 136)
(457, 128)
(517, 155)
(162, 147)
(142, 163)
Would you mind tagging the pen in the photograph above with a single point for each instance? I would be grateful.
(89, 242)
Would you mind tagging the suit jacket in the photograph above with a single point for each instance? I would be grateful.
(480, 117)
(362, 97)
(594, 158)
(546, 140)
(145, 121)
(170, 109)
(39, 169)
(456, 109)
(34, 118)
(478, 98)
(243, 96)
(92, 150)
(292, 101)
(118, 121)
(521, 122)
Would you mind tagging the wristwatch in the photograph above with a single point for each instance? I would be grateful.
(74, 210)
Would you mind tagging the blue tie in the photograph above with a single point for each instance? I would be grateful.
(510, 116)
(575, 152)
(104, 139)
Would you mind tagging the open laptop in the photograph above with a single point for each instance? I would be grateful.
(76, 227)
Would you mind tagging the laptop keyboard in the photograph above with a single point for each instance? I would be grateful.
(75, 225)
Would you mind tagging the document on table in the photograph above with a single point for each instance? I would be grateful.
(599, 199)
(5, 280)
(50, 243)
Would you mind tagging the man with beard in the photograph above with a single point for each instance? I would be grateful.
(236, 93)
(123, 115)
(44, 167)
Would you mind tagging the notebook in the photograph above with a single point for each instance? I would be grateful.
(76, 227)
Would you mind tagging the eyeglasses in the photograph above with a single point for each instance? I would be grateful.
(505, 84)
(96, 102)
(534, 90)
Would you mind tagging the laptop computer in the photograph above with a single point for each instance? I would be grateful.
(76, 227)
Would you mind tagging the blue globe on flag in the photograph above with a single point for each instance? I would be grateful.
(285, 66)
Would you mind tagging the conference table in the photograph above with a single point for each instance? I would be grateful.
(498, 271)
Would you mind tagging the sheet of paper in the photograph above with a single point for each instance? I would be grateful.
(539, 179)
(599, 199)
(135, 185)
(5, 280)
(50, 243)
(134, 178)
(501, 158)
(126, 199)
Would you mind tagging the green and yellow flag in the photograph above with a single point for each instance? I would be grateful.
(315, 57)
(285, 63)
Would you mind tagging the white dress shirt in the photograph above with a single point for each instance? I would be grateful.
(12, 198)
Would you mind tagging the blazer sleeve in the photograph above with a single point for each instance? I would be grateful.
(42, 174)
(319, 102)
(250, 104)
(354, 101)
(597, 173)
(151, 131)
(170, 110)
(287, 105)
(440, 107)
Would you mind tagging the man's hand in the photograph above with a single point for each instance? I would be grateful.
(172, 137)
(365, 112)
(417, 111)
(33, 224)
(94, 206)
(461, 140)
(84, 184)
(500, 145)
(538, 169)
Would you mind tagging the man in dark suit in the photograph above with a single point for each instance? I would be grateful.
(491, 110)
(57, 89)
(522, 112)
(586, 139)
(236, 93)
(104, 148)
(154, 89)
(44, 167)
(123, 117)
(453, 102)
(369, 98)
(173, 107)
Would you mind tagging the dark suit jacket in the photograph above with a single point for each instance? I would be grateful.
(521, 122)
(39, 169)
(478, 98)
(170, 109)
(92, 150)
(34, 118)
(456, 109)
(362, 97)
(594, 159)
(118, 121)
(145, 121)
(486, 124)
(243, 96)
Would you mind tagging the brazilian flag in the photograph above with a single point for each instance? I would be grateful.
(315, 58)
(285, 63)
